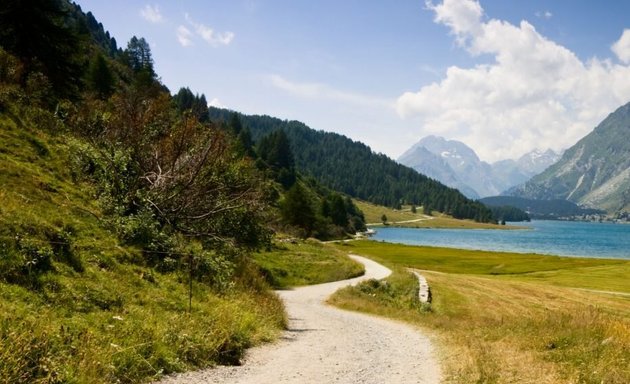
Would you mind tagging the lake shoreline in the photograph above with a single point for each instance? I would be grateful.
(549, 238)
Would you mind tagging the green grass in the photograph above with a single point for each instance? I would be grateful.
(304, 263)
(406, 218)
(373, 212)
(605, 274)
(504, 318)
(81, 330)
(78, 307)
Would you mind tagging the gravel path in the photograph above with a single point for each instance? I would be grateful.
(328, 345)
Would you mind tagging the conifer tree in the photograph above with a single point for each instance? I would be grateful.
(297, 209)
(100, 77)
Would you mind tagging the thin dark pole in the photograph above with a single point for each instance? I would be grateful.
(190, 279)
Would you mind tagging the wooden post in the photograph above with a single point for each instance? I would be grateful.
(190, 281)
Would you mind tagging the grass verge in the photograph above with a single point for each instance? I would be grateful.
(519, 325)
(304, 263)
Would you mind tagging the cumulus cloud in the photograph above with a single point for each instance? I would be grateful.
(323, 91)
(184, 36)
(621, 47)
(151, 13)
(534, 94)
(462, 17)
(208, 34)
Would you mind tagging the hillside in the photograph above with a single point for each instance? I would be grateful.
(595, 172)
(415, 217)
(353, 168)
(128, 220)
(60, 256)
(540, 209)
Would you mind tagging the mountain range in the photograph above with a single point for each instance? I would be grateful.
(457, 165)
(595, 172)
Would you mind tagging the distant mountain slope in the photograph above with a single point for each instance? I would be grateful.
(509, 173)
(353, 168)
(457, 165)
(539, 209)
(594, 172)
(536, 161)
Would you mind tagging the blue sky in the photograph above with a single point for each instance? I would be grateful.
(504, 77)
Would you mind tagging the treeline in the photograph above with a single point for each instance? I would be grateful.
(304, 204)
(540, 209)
(354, 169)
(508, 213)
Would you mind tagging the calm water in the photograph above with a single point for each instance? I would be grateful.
(545, 237)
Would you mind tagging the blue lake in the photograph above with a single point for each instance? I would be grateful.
(561, 238)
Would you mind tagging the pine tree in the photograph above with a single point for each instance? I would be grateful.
(297, 209)
(139, 56)
(36, 31)
(338, 212)
(235, 124)
(100, 77)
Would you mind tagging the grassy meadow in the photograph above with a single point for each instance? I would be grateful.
(291, 264)
(404, 217)
(507, 318)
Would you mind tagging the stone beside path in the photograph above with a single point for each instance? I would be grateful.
(424, 292)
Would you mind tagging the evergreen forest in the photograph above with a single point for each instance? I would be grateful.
(353, 168)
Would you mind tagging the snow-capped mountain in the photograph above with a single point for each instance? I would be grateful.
(455, 164)
(537, 161)
(435, 167)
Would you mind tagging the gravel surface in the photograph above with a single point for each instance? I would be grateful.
(328, 345)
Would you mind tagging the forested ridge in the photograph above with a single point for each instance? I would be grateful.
(353, 168)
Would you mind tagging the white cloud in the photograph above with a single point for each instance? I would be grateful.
(151, 13)
(535, 94)
(621, 47)
(462, 17)
(323, 91)
(184, 36)
(209, 35)
(544, 15)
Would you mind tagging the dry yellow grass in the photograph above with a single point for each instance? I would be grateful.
(513, 328)
(530, 333)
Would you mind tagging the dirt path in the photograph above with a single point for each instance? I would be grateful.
(425, 218)
(329, 345)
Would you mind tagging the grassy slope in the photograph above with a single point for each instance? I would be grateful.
(504, 318)
(405, 218)
(310, 262)
(97, 315)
